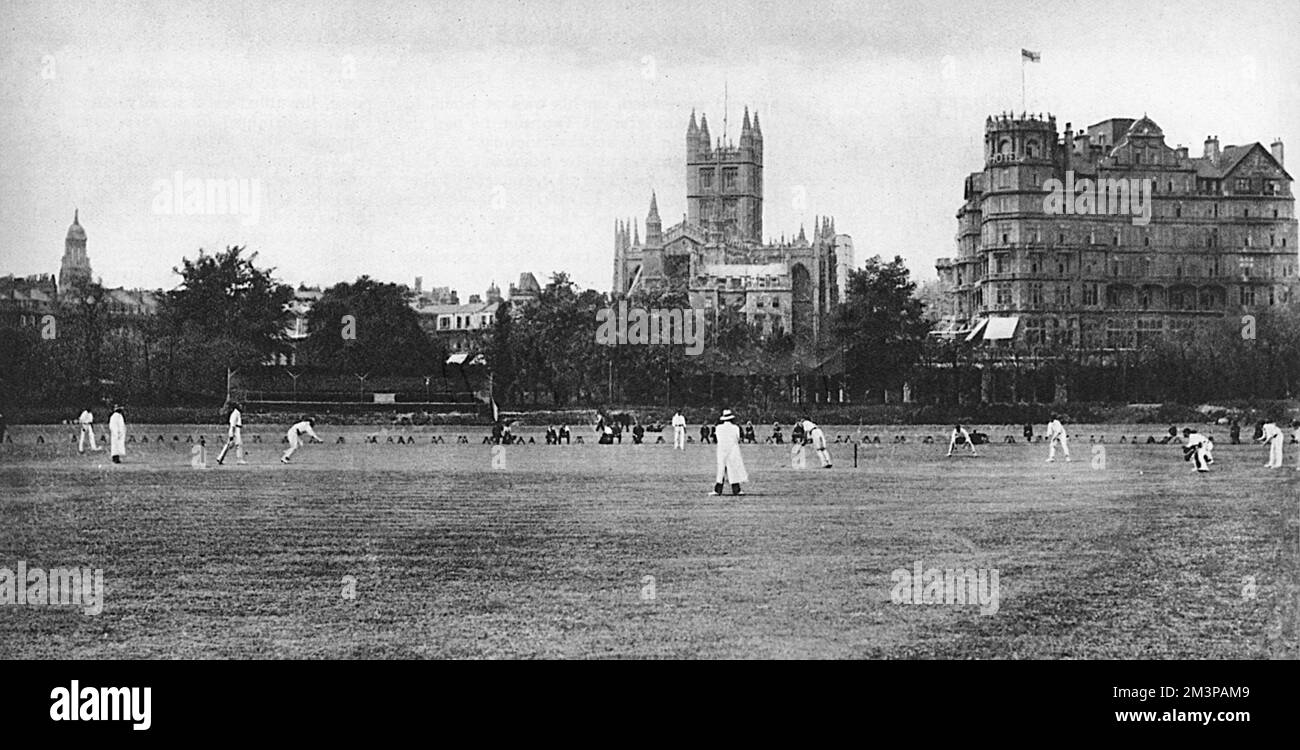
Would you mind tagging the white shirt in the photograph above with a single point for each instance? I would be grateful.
(236, 421)
(116, 424)
(679, 420)
(1271, 432)
(1055, 429)
(86, 417)
(304, 427)
(1195, 440)
(962, 432)
(808, 426)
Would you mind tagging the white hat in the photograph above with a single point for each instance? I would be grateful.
(727, 416)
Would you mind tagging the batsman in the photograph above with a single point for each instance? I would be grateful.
(234, 436)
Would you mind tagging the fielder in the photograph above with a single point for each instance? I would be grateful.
(960, 434)
(234, 436)
(731, 467)
(1272, 437)
(679, 431)
(87, 422)
(1196, 449)
(1294, 423)
(117, 435)
(1056, 434)
(295, 437)
(813, 434)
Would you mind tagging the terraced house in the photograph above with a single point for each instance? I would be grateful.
(1216, 236)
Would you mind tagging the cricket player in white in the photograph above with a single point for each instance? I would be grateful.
(960, 432)
(1296, 425)
(813, 434)
(1056, 434)
(117, 435)
(679, 431)
(234, 436)
(1272, 437)
(1196, 449)
(87, 422)
(731, 467)
(295, 437)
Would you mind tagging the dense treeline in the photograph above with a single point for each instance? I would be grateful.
(228, 315)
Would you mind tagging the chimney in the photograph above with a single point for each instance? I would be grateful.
(1277, 151)
(419, 283)
(1181, 152)
(1212, 148)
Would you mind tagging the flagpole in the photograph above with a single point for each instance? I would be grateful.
(1022, 82)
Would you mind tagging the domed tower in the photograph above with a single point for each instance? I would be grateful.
(75, 270)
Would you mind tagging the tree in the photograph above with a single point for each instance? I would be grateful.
(881, 325)
(226, 312)
(369, 326)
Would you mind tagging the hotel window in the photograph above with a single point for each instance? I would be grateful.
(1036, 294)
(1115, 239)
(1090, 294)
(706, 178)
(1149, 330)
(1248, 295)
(1207, 299)
(729, 178)
(1060, 238)
(1178, 211)
(1004, 295)
(1065, 295)
(1000, 263)
(1243, 184)
(1035, 264)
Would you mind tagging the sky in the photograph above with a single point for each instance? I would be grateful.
(469, 142)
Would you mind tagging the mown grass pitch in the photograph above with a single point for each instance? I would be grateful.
(547, 555)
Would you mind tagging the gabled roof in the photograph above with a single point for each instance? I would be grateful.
(1230, 159)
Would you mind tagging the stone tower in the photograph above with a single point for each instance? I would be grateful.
(724, 182)
(75, 270)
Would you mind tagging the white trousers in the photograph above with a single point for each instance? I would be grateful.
(1275, 453)
(295, 443)
(1065, 447)
(679, 438)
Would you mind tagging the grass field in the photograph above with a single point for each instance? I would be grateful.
(547, 554)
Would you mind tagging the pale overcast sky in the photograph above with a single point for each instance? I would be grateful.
(467, 142)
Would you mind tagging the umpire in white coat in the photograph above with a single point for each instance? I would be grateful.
(731, 467)
(117, 435)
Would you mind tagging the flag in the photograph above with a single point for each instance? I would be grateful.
(1030, 56)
